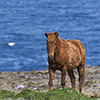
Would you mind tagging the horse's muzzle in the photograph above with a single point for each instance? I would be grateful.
(51, 57)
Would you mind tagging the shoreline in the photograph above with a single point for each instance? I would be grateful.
(38, 81)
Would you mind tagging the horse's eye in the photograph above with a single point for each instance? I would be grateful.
(55, 43)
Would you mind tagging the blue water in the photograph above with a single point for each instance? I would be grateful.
(24, 22)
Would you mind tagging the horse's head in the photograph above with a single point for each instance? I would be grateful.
(51, 44)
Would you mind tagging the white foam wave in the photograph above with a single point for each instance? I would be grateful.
(11, 43)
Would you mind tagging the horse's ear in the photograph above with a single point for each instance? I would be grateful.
(56, 34)
(46, 34)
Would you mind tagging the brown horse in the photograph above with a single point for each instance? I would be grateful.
(65, 55)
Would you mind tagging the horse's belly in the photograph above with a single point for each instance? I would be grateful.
(74, 62)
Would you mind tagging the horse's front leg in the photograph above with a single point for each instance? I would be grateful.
(63, 77)
(51, 77)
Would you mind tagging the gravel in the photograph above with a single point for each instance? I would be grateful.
(38, 81)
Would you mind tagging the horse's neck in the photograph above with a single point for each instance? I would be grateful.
(60, 45)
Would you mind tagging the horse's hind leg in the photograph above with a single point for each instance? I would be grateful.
(72, 77)
(81, 71)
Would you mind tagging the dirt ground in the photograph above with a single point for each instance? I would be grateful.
(38, 81)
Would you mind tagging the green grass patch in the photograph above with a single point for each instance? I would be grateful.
(54, 94)
(65, 94)
(6, 94)
(29, 94)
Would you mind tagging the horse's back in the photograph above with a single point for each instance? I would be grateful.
(78, 44)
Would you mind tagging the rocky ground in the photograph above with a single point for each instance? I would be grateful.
(38, 81)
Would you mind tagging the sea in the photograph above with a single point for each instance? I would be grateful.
(23, 24)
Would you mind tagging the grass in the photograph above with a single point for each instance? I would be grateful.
(5, 94)
(54, 94)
